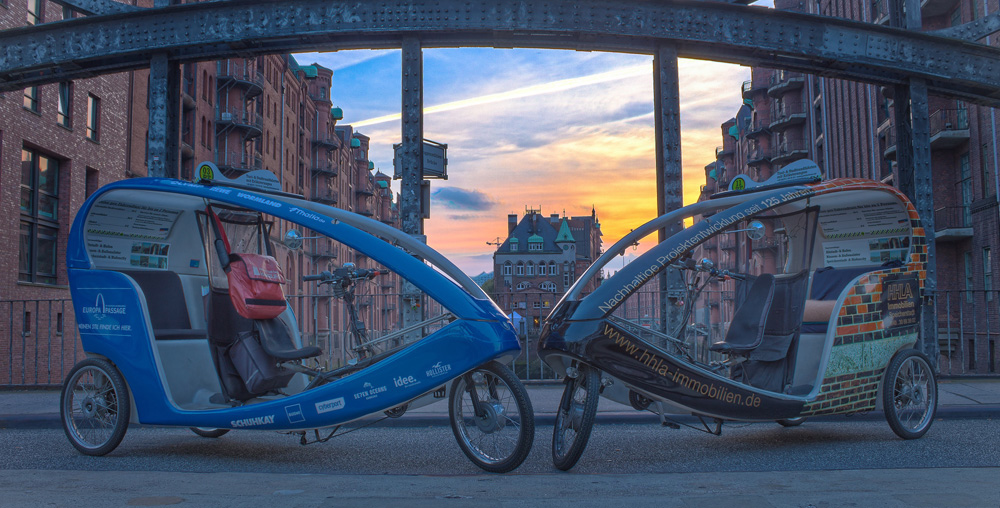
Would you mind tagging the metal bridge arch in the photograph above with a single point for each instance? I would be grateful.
(120, 37)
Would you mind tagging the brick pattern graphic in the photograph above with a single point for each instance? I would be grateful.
(862, 348)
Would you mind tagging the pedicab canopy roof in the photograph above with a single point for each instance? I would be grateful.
(860, 221)
(160, 211)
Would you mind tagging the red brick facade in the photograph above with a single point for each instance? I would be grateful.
(243, 114)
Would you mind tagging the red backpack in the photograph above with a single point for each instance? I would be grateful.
(254, 279)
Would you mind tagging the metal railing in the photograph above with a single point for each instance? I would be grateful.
(39, 343)
(948, 119)
(968, 332)
(240, 160)
(239, 116)
(950, 217)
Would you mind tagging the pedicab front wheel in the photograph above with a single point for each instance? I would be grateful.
(909, 394)
(94, 407)
(575, 417)
(492, 417)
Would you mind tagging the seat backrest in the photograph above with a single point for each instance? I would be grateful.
(168, 313)
(829, 282)
(747, 327)
(785, 316)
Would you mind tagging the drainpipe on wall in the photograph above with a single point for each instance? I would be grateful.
(281, 130)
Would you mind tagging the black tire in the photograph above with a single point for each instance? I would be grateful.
(909, 394)
(575, 417)
(498, 440)
(791, 422)
(94, 407)
(209, 432)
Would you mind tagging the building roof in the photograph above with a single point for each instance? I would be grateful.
(564, 233)
(535, 229)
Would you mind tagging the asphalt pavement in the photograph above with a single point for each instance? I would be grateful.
(957, 398)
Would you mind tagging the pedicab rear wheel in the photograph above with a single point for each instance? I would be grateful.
(499, 437)
(209, 432)
(575, 417)
(94, 407)
(909, 394)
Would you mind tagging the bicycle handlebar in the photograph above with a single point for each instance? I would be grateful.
(319, 276)
(344, 273)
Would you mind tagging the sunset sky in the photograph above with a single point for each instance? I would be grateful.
(559, 130)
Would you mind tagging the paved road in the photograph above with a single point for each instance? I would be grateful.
(816, 465)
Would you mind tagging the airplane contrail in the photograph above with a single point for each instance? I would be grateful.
(528, 91)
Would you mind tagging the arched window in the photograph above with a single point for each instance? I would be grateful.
(553, 270)
(520, 268)
(507, 268)
(531, 269)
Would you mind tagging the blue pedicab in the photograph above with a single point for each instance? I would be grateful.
(821, 316)
(169, 344)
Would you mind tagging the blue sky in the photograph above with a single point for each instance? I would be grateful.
(560, 130)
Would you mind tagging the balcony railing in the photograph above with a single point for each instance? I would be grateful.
(327, 141)
(320, 98)
(790, 150)
(240, 161)
(784, 81)
(759, 126)
(325, 196)
(952, 223)
(789, 113)
(948, 128)
(325, 169)
(768, 243)
(758, 155)
(237, 72)
(239, 117)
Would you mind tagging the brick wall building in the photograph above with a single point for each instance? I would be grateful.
(848, 129)
(539, 260)
(60, 142)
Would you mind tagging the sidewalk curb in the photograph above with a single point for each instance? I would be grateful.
(971, 412)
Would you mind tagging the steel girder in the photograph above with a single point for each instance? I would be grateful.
(745, 35)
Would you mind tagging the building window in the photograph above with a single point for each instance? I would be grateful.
(64, 109)
(531, 269)
(507, 268)
(513, 246)
(965, 188)
(989, 184)
(31, 99)
(37, 259)
(93, 118)
(552, 269)
(536, 246)
(520, 269)
(92, 181)
(988, 274)
(536, 305)
(35, 15)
